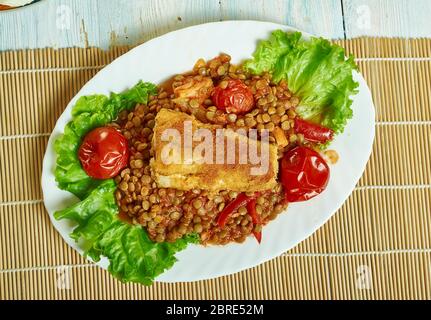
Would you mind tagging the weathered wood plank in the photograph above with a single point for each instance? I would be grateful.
(101, 23)
(387, 18)
(55, 23)
(136, 21)
(322, 18)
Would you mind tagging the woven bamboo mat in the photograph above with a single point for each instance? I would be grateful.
(378, 246)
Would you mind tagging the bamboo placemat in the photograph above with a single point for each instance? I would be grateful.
(378, 246)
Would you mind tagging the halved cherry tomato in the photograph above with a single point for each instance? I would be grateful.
(313, 132)
(103, 153)
(235, 98)
(304, 174)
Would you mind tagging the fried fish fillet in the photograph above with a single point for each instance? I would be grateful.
(183, 166)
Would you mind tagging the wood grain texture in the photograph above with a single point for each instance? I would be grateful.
(387, 18)
(322, 18)
(136, 21)
(55, 23)
(104, 23)
(99, 23)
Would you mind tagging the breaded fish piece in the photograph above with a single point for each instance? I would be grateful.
(194, 87)
(179, 166)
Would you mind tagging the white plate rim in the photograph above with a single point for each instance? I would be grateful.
(177, 274)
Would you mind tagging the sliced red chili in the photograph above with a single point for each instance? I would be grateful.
(258, 236)
(251, 208)
(313, 132)
(255, 218)
(240, 201)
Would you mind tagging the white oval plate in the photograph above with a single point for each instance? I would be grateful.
(177, 52)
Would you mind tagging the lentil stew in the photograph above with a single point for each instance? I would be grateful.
(169, 214)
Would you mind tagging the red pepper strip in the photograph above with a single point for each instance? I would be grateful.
(251, 208)
(258, 236)
(313, 132)
(240, 201)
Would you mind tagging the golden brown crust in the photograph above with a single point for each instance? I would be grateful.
(211, 177)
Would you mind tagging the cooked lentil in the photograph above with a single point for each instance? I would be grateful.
(168, 214)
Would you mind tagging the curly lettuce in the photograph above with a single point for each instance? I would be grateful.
(317, 71)
(88, 113)
(131, 253)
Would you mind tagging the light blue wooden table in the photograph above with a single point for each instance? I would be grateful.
(103, 23)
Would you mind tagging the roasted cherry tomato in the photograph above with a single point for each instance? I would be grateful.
(235, 98)
(103, 153)
(313, 132)
(304, 174)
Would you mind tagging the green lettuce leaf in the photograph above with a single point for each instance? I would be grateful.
(316, 71)
(88, 113)
(134, 257)
(131, 253)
